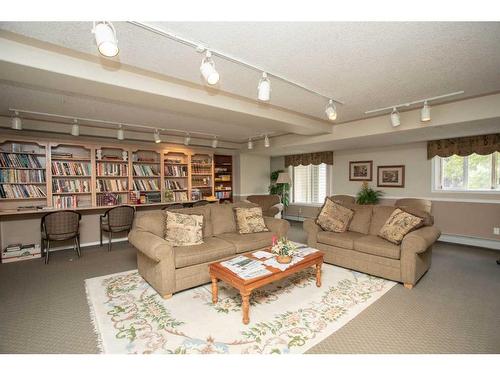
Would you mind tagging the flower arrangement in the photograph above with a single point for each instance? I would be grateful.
(284, 249)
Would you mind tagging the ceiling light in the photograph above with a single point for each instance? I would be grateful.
(187, 139)
(105, 38)
(120, 134)
(208, 71)
(425, 112)
(215, 142)
(156, 136)
(17, 123)
(395, 120)
(75, 129)
(266, 141)
(264, 93)
(250, 144)
(331, 111)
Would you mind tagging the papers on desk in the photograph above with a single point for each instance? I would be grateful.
(245, 267)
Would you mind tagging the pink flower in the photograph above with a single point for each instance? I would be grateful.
(275, 239)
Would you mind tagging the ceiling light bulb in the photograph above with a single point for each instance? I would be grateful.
(208, 71)
(250, 144)
(331, 111)
(187, 139)
(215, 142)
(425, 113)
(75, 129)
(17, 123)
(264, 88)
(120, 134)
(156, 136)
(105, 38)
(266, 141)
(395, 120)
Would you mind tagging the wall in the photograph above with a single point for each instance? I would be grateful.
(252, 175)
(464, 214)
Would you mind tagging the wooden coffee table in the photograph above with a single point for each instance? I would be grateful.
(219, 272)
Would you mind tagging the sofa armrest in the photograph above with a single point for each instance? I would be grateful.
(271, 212)
(277, 226)
(420, 240)
(312, 229)
(152, 246)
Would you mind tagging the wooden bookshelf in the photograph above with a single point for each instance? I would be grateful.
(202, 174)
(112, 175)
(223, 177)
(176, 177)
(146, 175)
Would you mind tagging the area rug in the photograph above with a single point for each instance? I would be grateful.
(289, 316)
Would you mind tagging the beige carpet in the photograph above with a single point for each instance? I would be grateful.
(454, 309)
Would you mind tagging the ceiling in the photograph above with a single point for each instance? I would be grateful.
(365, 64)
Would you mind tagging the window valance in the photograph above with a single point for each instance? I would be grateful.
(464, 146)
(315, 158)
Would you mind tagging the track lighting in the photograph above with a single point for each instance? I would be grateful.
(331, 111)
(156, 136)
(215, 142)
(120, 134)
(17, 123)
(207, 69)
(395, 120)
(264, 88)
(266, 141)
(105, 38)
(187, 139)
(75, 129)
(250, 144)
(425, 112)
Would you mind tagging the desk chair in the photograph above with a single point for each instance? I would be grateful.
(60, 226)
(115, 220)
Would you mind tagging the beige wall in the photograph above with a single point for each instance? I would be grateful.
(252, 173)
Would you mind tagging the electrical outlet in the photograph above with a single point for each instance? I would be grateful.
(496, 231)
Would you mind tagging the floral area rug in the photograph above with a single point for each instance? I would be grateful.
(289, 316)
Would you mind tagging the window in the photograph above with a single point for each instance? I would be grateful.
(468, 173)
(309, 183)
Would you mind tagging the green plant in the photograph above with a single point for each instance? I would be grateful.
(284, 247)
(367, 195)
(280, 189)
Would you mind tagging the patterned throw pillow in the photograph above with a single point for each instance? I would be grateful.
(398, 225)
(183, 230)
(333, 217)
(250, 220)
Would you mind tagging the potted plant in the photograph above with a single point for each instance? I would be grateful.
(367, 195)
(284, 250)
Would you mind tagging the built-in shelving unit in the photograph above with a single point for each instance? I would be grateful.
(223, 177)
(112, 176)
(146, 176)
(176, 177)
(202, 172)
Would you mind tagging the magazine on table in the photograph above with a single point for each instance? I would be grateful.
(245, 267)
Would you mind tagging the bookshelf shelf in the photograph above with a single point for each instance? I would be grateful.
(72, 193)
(223, 176)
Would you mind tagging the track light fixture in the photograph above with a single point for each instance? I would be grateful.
(395, 120)
(17, 123)
(425, 112)
(266, 141)
(75, 129)
(187, 139)
(250, 144)
(207, 69)
(156, 136)
(215, 142)
(264, 88)
(105, 38)
(120, 133)
(331, 111)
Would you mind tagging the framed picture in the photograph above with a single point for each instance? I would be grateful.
(360, 170)
(391, 176)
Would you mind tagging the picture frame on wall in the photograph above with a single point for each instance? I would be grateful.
(361, 170)
(391, 176)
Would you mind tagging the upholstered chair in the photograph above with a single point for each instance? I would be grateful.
(271, 204)
(115, 220)
(60, 226)
(421, 204)
(343, 199)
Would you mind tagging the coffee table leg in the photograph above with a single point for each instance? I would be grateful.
(245, 297)
(318, 274)
(215, 290)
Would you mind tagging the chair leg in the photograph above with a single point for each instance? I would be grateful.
(109, 240)
(78, 250)
(100, 232)
(47, 252)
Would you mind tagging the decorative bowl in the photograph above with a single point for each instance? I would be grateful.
(284, 259)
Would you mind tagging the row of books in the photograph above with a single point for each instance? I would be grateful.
(112, 185)
(17, 252)
(201, 181)
(112, 169)
(145, 171)
(180, 196)
(19, 161)
(197, 168)
(146, 185)
(222, 194)
(21, 191)
(22, 175)
(67, 201)
(176, 170)
(70, 186)
(175, 184)
(110, 199)
(70, 168)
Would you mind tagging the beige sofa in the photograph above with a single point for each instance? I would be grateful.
(171, 269)
(271, 204)
(361, 249)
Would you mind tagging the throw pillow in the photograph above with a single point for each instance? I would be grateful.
(250, 220)
(398, 225)
(183, 229)
(333, 217)
(428, 219)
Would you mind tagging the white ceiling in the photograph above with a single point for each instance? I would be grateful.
(367, 65)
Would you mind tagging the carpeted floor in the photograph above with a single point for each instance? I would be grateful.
(455, 308)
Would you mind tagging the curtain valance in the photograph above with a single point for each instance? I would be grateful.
(315, 158)
(464, 146)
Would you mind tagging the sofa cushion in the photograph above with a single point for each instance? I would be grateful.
(379, 217)
(200, 210)
(375, 245)
(153, 221)
(344, 240)
(248, 242)
(183, 230)
(333, 217)
(361, 220)
(211, 250)
(398, 225)
(222, 216)
(250, 220)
